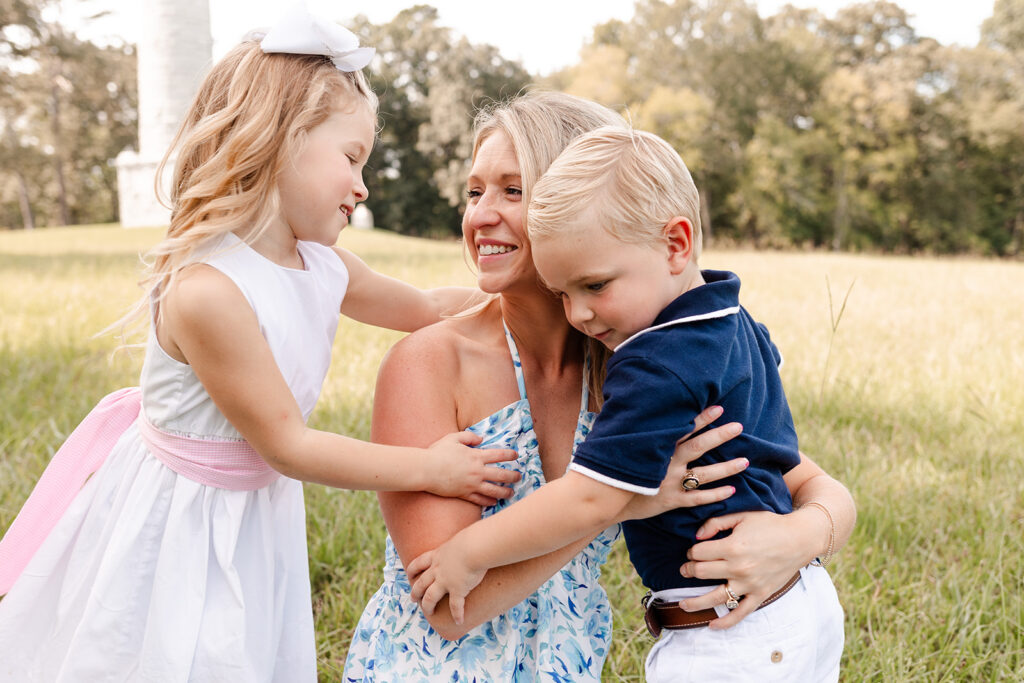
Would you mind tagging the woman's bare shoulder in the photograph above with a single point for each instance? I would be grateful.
(446, 344)
(456, 363)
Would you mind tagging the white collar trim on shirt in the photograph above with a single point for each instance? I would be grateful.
(721, 313)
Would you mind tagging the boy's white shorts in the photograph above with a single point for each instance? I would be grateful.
(799, 637)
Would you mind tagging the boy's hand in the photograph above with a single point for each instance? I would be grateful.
(459, 471)
(443, 571)
(688, 450)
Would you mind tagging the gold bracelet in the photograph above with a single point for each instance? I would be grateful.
(823, 561)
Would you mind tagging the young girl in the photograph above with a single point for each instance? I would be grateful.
(615, 232)
(183, 558)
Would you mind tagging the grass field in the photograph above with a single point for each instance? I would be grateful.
(915, 400)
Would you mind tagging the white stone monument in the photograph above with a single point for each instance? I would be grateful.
(362, 218)
(174, 51)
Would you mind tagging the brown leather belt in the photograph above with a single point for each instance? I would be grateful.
(660, 614)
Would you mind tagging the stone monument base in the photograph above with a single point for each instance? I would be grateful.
(137, 191)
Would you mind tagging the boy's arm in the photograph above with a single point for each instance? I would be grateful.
(631, 444)
(561, 512)
(383, 301)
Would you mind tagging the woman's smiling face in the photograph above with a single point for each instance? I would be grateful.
(493, 223)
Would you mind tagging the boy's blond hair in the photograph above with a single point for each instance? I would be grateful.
(249, 119)
(539, 125)
(629, 182)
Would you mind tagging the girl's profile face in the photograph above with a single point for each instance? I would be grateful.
(321, 185)
(492, 226)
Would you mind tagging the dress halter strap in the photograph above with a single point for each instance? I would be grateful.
(585, 403)
(517, 364)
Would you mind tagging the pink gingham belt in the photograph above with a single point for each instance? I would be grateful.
(232, 465)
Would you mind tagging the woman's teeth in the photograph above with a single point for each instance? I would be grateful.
(491, 249)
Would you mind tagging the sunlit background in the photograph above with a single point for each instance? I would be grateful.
(861, 166)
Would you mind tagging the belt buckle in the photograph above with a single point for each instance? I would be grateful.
(650, 618)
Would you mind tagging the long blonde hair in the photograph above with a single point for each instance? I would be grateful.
(250, 117)
(540, 124)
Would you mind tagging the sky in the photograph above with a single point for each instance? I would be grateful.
(545, 35)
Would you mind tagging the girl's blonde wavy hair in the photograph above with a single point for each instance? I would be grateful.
(250, 117)
(540, 124)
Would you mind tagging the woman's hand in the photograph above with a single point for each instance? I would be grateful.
(765, 549)
(761, 554)
(671, 494)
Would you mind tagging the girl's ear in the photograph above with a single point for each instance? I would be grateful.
(678, 233)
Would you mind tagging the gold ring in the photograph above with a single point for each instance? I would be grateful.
(690, 481)
(734, 600)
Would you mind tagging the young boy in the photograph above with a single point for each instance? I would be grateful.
(615, 231)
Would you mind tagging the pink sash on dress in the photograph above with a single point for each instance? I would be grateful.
(79, 456)
(230, 465)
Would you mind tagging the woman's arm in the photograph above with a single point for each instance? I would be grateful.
(415, 400)
(766, 549)
(382, 301)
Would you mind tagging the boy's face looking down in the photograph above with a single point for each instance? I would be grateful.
(612, 289)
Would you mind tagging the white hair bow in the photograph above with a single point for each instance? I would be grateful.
(300, 33)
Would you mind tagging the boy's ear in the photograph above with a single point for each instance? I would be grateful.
(678, 233)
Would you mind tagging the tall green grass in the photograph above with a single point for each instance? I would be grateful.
(915, 400)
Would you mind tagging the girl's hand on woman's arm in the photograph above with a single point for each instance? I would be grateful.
(456, 474)
(764, 549)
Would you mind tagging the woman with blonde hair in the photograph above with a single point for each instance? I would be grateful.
(183, 557)
(519, 375)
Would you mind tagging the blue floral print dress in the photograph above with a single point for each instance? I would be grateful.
(560, 633)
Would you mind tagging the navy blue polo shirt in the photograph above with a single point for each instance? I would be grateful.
(703, 349)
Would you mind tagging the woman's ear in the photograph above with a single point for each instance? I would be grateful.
(678, 233)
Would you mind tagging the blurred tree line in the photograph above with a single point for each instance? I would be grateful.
(67, 108)
(430, 85)
(800, 130)
(846, 133)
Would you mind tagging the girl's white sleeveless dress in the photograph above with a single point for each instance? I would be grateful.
(560, 634)
(151, 576)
